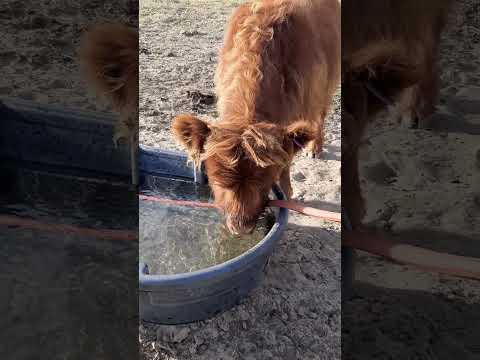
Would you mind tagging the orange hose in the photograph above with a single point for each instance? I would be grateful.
(199, 204)
(377, 244)
(125, 235)
(292, 205)
(106, 234)
(306, 210)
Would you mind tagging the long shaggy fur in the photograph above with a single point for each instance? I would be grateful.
(278, 70)
(261, 143)
(280, 62)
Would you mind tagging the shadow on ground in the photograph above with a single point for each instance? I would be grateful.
(383, 323)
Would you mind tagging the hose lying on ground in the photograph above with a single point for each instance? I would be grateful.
(429, 260)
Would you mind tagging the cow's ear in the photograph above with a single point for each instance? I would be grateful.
(192, 133)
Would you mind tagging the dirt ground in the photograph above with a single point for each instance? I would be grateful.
(431, 196)
(295, 314)
(39, 43)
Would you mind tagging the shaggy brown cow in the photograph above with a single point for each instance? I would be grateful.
(109, 59)
(278, 70)
(389, 56)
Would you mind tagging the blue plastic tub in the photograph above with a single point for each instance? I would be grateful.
(184, 298)
(79, 143)
(60, 140)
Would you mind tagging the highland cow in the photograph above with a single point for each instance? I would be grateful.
(277, 73)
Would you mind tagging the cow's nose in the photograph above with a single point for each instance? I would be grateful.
(239, 229)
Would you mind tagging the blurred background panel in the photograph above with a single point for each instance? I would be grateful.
(68, 211)
(410, 145)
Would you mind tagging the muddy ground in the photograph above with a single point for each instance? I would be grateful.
(295, 314)
(424, 185)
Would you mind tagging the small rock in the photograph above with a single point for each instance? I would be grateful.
(192, 33)
(172, 333)
(199, 98)
(153, 113)
(202, 348)
(299, 177)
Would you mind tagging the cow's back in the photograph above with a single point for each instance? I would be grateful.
(280, 61)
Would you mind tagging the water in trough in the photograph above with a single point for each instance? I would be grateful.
(179, 239)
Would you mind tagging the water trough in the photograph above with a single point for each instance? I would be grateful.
(198, 295)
